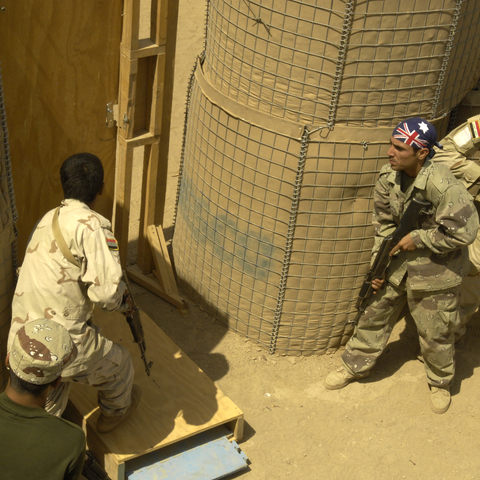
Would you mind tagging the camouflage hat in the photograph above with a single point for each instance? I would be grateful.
(40, 351)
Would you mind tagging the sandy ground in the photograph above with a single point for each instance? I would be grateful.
(379, 428)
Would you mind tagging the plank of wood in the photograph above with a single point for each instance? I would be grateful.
(123, 199)
(147, 213)
(131, 24)
(157, 95)
(150, 282)
(146, 48)
(161, 257)
(179, 400)
(127, 98)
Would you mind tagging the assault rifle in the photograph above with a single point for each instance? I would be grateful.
(135, 325)
(383, 258)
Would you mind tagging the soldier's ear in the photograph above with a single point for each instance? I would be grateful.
(422, 153)
(7, 363)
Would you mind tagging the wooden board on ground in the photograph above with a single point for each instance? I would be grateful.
(178, 400)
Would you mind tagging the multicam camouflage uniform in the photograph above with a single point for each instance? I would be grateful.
(428, 278)
(49, 286)
(455, 156)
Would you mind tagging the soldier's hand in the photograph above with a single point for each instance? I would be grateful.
(127, 306)
(405, 244)
(377, 284)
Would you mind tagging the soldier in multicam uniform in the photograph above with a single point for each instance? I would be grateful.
(427, 265)
(33, 443)
(67, 270)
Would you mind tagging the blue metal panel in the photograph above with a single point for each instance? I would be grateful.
(207, 456)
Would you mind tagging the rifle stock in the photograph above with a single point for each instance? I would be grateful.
(383, 258)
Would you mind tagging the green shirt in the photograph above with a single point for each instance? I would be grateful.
(37, 445)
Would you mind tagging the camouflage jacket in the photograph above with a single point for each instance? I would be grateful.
(49, 286)
(441, 235)
(456, 157)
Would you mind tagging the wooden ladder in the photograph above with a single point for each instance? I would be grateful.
(143, 118)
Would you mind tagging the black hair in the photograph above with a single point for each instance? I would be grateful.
(82, 177)
(26, 388)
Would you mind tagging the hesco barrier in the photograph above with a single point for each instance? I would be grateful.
(361, 63)
(273, 220)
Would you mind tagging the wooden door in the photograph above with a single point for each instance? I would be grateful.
(60, 64)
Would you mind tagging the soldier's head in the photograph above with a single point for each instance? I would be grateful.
(40, 351)
(82, 177)
(411, 143)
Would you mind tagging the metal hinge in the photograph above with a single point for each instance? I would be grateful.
(112, 115)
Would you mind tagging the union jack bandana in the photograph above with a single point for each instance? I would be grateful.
(417, 132)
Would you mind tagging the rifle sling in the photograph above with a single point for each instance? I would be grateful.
(62, 245)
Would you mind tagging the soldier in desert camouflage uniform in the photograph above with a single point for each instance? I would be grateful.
(427, 265)
(65, 284)
(458, 146)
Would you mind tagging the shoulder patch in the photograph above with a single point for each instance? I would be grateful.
(112, 244)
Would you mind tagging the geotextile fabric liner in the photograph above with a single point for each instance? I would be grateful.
(360, 63)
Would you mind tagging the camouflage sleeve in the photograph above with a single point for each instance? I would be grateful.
(466, 170)
(456, 219)
(103, 270)
(382, 218)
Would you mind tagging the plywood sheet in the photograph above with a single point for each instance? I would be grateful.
(60, 69)
(178, 400)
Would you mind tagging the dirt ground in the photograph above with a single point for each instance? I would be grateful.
(379, 428)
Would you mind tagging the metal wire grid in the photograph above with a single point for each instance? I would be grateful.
(8, 257)
(343, 62)
(230, 230)
(7, 282)
(287, 286)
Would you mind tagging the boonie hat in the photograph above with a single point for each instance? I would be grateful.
(40, 351)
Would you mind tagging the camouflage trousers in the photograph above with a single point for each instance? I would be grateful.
(469, 302)
(435, 315)
(112, 377)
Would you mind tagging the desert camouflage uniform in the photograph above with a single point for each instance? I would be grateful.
(428, 278)
(454, 156)
(49, 286)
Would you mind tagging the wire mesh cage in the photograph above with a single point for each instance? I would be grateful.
(8, 258)
(364, 63)
(273, 228)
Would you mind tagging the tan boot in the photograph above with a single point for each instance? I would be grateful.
(106, 423)
(341, 378)
(440, 399)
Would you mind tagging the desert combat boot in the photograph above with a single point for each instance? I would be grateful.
(440, 399)
(341, 378)
(107, 423)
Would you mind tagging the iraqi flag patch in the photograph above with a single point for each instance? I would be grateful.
(112, 244)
